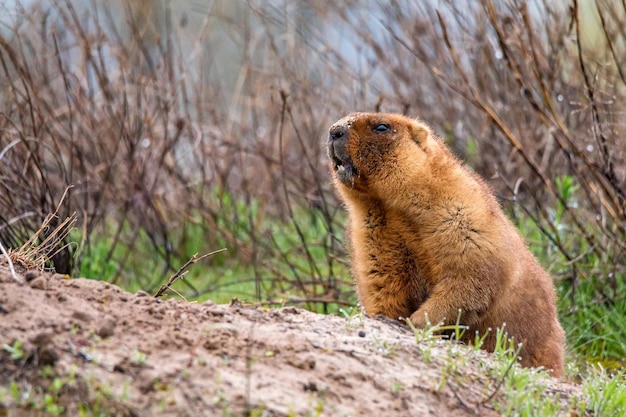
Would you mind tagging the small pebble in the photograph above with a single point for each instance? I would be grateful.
(31, 275)
(39, 283)
(82, 316)
(107, 328)
(146, 381)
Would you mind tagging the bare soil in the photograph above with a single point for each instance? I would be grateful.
(93, 347)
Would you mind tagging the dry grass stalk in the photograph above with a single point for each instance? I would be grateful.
(37, 252)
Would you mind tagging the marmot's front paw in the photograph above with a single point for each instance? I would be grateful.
(420, 319)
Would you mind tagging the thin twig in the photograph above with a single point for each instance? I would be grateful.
(499, 384)
(249, 361)
(181, 271)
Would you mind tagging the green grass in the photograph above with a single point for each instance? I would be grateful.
(511, 390)
(293, 262)
(524, 393)
(604, 394)
(591, 304)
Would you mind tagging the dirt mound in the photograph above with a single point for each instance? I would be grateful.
(72, 345)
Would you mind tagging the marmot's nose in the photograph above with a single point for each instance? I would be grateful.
(337, 132)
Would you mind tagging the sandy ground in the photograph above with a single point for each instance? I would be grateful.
(90, 346)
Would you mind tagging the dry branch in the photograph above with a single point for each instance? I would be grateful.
(182, 271)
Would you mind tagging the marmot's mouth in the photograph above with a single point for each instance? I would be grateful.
(342, 164)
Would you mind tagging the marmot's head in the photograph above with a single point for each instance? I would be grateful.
(368, 151)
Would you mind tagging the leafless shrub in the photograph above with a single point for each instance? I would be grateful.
(161, 131)
(153, 146)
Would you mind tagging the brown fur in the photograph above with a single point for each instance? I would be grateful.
(429, 239)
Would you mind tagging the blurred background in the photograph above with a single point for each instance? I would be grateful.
(184, 127)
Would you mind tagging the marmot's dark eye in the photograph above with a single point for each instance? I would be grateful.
(381, 128)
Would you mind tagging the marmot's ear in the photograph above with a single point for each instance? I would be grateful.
(419, 133)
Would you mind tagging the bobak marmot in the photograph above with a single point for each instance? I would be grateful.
(429, 239)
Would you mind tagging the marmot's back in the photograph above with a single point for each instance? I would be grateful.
(429, 239)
